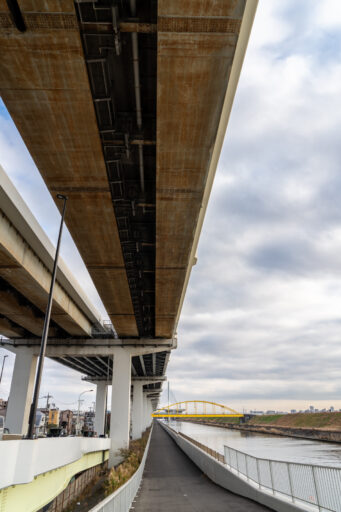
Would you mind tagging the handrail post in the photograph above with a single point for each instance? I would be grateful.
(272, 478)
(290, 482)
(316, 489)
(237, 461)
(258, 474)
(247, 467)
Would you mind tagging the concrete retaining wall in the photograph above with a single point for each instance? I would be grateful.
(23, 460)
(333, 436)
(221, 475)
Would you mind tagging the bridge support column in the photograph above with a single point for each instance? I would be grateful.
(101, 395)
(120, 405)
(137, 410)
(20, 396)
(144, 413)
(149, 412)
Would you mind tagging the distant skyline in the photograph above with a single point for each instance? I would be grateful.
(261, 319)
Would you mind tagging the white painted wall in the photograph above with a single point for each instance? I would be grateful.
(22, 460)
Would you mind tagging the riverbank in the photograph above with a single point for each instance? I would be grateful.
(317, 426)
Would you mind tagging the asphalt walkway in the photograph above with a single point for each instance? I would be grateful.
(173, 483)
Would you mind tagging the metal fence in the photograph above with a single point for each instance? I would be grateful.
(308, 484)
(122, 499)
(203, 447)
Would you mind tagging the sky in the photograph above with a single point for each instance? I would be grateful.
(260, 325)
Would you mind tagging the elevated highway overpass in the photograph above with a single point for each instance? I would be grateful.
(123, 107)
(78, 338)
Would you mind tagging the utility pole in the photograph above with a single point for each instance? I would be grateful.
(2, 368)
(168, 401)
(34, 405)
(79, 407)
(48, 396)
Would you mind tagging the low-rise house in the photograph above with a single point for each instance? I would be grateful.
(65, 421)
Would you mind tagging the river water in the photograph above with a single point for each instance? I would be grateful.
(266, 446)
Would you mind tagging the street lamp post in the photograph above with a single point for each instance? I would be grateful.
(2, 368)
(79, 405)
(34, 405)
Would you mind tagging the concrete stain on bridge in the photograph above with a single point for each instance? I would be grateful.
(172, 482)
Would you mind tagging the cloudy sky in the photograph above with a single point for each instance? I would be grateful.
(261, 323)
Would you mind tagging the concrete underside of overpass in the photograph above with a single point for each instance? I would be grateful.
(26, 261)
(121, 110)
(123, 106)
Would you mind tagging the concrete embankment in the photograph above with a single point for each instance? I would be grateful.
(306, 430)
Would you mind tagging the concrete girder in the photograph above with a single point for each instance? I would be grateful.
(45, 87)
(26, 273)
(142, 380)
(22, 314)
(92, 347)
(109, 368)
(142, 365)
(133, 369)
(198, 70)
(86, 366)
(22, 219)
(10, 329)
(150, 379)
(74, 365)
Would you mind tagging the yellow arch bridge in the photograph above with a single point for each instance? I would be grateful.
(196, 409)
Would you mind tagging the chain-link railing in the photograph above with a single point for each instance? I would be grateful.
(301, 483)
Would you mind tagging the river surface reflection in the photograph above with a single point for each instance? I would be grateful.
(264, 445)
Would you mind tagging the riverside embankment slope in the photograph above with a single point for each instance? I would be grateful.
(324, 426)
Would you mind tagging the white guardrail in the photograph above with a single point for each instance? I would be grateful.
(316, 487)
(122, 499)
(22, 460)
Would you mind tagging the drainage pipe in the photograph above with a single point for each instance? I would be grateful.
(135, 49)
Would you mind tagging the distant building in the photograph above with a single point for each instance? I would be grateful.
(89, 422)
(53, 418)
(40, 423)
(77, 422)
(293, 411)
(257, 413)
(270, 412)
(311, 409)
(3, 403)
(3, 407)
(65, 421)
(331, 409)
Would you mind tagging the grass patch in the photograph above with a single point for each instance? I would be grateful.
(133, 456)
(211, 420)
(320, 420)
(271, 418)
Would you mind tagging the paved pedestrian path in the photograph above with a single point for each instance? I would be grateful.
(173, 483)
